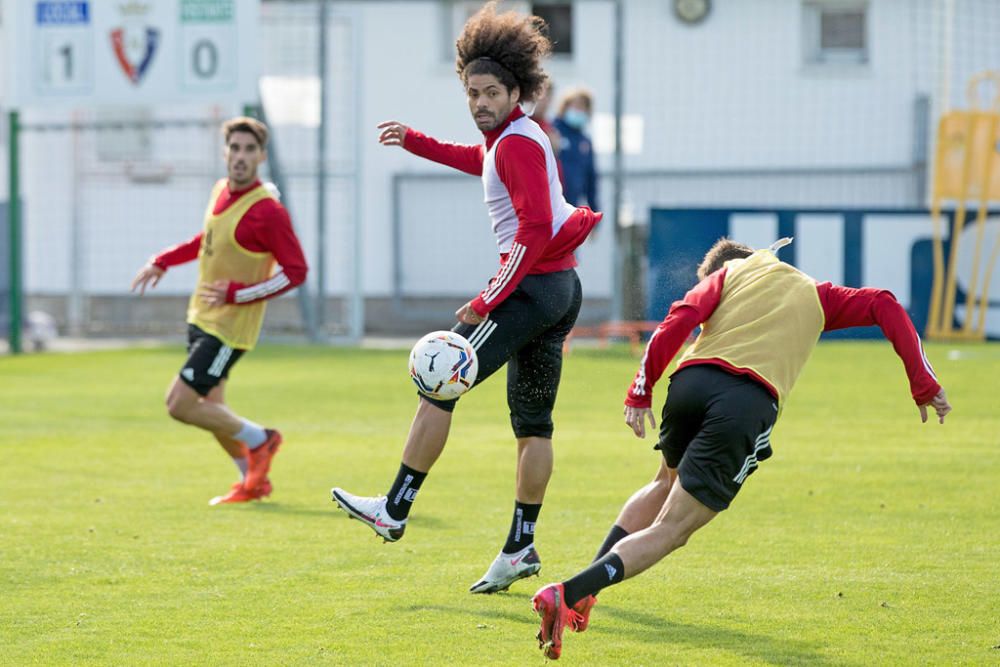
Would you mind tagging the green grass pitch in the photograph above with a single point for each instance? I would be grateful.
(869, 538)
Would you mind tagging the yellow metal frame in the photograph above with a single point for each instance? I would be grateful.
(974, 123)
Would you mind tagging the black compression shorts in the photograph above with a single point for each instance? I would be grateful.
(527, 332)
(716, 429)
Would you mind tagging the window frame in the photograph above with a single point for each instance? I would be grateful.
(814, 55)
(456, 12)
(570, 51)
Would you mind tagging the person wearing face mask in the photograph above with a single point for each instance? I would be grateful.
(540, 114)
(576, 151)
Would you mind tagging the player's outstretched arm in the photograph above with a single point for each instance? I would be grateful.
(941, 407)
(857, 307)
(149, 275)
(466, 158)
(393, 133)
(636, 418)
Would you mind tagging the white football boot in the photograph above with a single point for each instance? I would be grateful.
(508, 568)
(370, 511)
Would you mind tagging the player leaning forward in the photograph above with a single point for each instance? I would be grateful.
(529, 306)
(246, 231)
(760, 319)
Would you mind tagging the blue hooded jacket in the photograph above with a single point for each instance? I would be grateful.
(576, 152)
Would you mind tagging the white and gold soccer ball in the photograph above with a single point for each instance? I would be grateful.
(443, 365)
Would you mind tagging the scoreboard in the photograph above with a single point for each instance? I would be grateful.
(129, 52)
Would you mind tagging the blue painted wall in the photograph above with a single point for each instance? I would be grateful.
(889, 248)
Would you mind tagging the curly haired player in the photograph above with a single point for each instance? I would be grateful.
(523, 315)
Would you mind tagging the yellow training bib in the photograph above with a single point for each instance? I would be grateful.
(767, 321)
(222, 258)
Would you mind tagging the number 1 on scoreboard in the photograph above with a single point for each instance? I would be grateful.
(64, 65)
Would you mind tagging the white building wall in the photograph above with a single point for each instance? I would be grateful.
(733, 91)
(730, 95)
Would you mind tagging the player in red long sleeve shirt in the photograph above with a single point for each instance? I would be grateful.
(246, 231)
(523, 315)
(266, 227)
(760, 321)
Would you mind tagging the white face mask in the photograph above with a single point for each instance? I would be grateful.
(576, 118)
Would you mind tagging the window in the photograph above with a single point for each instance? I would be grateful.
(558, 16)
(457, 12)
(835, 32)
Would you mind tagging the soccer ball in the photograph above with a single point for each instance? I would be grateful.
(443, 365)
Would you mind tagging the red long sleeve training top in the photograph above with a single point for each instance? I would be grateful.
(521, 166)
(266, 227)
(843, 307)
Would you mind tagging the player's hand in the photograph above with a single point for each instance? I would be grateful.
(214, 294)
(635, 418)
(148, 275)
(467, 315)
(393, 133)
(941, 407)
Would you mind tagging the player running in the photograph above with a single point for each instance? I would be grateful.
(760, 320)
(525, 312)
(246, 231)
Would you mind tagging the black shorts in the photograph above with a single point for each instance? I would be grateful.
(716, 429)
(527, 332)
(208, 362)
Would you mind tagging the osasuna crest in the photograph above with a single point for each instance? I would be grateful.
(134, 43)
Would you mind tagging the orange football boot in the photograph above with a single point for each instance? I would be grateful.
(259, 459)
(240, 494)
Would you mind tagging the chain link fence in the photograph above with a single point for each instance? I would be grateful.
(104, 189)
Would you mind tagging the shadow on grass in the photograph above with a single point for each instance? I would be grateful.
(661, 631)
(301, 510)
(330, 509)
(753, 646)
(476, 613)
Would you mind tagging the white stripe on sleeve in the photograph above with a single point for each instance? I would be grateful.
(509, 269)
(275, 283)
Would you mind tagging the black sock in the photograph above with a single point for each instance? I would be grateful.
(522, 527)
(603, 572)
(403, 492)
(615, 535)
